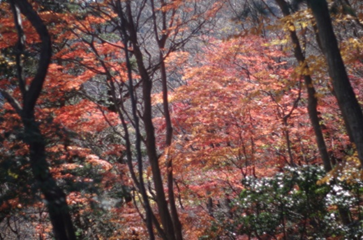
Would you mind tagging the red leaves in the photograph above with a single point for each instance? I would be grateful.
(85, 116)
(224, 102)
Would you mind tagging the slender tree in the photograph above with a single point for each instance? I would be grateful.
(54, 195)
(312, 100)
(343, 90)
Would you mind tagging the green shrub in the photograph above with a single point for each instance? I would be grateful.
(293, 206)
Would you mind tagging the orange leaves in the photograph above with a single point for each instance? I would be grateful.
(83, 117)
(77, 198)
(225, 111)
(114, 149)
(102, 58)
(175, 60)
(12, 203)
(171, 6)
(214, 9)
(8, 36)
(58, 82)
(94, 160)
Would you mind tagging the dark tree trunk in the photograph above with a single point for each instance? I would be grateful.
(164, 213)
(54, 196)
(312, 100)
(138, 181)
(169, 128)
(312, 104)
(343, 90)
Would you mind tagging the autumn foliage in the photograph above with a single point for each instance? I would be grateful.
(159, 122)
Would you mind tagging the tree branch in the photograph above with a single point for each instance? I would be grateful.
(45, 56)
(13, 102)
(19, 48)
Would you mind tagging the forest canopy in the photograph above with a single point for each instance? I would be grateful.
(170, 119)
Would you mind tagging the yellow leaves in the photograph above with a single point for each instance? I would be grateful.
(351, 50)
(302, 70)
(291, 27)
(13, 175)
(158, 98)
(317, 64)
(304, 24)
(348, 171)
(276, 42)
(297, 21)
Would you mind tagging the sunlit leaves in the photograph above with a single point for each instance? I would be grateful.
(226, 100)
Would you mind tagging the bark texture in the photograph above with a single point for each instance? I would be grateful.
(312, 100)
(55, 197)
(312, 104)
(343, 90)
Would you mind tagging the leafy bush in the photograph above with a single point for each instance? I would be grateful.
(293, 205)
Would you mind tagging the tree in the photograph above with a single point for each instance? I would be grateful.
(55, 197)
(169, 119)
(225, 133)
(312, 99)
(130, 83)
(348, 104)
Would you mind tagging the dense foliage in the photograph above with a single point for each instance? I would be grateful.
(292, 205)
(158, 119)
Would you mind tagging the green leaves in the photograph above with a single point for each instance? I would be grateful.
(291, 205)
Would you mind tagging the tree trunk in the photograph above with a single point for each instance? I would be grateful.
(312, 105)
(343, 90)
(312, 100)
(169, 128)
(55, 197)
(164, 213)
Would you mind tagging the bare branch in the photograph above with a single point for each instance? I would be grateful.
(13, 102)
